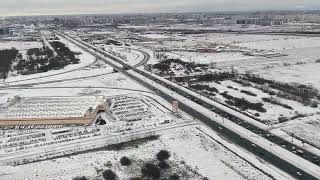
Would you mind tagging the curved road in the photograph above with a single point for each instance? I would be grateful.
(146, 58)
(262, 152)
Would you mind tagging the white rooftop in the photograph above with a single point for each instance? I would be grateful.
(48, 107)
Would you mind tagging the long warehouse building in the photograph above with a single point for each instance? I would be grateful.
(66, 111)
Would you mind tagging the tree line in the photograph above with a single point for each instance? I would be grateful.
(7, 57)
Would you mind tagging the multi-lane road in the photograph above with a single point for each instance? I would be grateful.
(289, 163)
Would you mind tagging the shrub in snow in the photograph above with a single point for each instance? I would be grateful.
(163, 165)
(109, 175)
(283, 119)
(136, 178)
(248, 93)
(150, 170)
(108, 164)
(276, 101)
(125, 161)
(272, 93)
(80, 178)
(163, 155)
(174, 177)
(314, 104)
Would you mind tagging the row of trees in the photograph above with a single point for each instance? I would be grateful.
(165, 65)
(4, 31)
(39, 60)
(43, 59)
(242, 103)
(218, 76)
(201, 87)
(64, 52)
(300, 90)
(293, 91)
(7, 57)
(44, 51)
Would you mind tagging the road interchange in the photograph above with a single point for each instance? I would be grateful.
(170, 93)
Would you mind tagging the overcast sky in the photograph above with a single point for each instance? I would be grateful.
(38, 7)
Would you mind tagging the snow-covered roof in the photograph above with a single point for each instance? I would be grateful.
(48, 107)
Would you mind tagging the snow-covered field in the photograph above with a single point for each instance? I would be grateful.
(305, 74)
(20, 45)
(106, 85)
(155, 36)
(237, 38)
(305, 128)
(273, 111)
(298, 48)
(283, 43)
(95, 70)
(297, 66)
(207, 58)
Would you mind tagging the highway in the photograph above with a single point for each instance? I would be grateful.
(299, 171)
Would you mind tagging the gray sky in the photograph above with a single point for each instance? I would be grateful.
(37, 7)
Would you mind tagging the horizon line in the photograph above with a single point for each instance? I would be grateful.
(159, 12)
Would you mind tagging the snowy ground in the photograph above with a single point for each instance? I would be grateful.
(129, 54)
(155, 36)
(306, 128)
(104, 85)
(273, 111)
(22, 46)
(203, 155)
(239, 38)
(305, 74)
(206, 157)
(207, 58)
(283, 43)
(86, 78)
(298, 66)
(97, 69)
(85, 60)
(298, 48)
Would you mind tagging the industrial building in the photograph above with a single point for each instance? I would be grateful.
(66, 111)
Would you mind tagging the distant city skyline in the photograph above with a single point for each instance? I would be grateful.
(61, 7)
